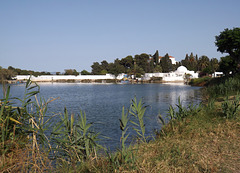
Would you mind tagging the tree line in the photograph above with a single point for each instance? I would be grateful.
(145, 63)
(8, 73)
(228, 41)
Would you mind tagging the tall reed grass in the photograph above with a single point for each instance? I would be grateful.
(72, 140)
(223, 86)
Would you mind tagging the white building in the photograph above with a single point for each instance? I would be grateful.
(178, 76)
(217, 74)
(170, 57)
(49, 78)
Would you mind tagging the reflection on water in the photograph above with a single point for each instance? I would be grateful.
(103, 102)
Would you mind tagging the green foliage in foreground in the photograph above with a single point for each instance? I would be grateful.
(73, 145)
(230, 107)
(224, 86)
(200, 81)
(72, 141)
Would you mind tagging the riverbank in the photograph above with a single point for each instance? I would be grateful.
(203, 138)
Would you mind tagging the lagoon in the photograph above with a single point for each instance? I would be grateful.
(103, 103)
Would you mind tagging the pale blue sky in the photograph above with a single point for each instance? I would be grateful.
(53, 35)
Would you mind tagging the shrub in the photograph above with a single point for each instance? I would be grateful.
(230, 108)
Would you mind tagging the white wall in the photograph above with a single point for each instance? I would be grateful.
(67, 77)
(173, 76)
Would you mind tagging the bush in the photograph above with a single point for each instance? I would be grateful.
(200, 81)
(230, 108)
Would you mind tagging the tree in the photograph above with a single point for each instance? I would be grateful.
(104, 65)
(127, 62)
(203, 62)
(142, 61)
(190, 62)
(214, 65)
(116, 68)
(229, 42)
(96, 68)
(166, 64)
(156, 58)
(227, 64)
(6, 74)
(158, 69)
(71, 72)
(85, 72)
(186, 62)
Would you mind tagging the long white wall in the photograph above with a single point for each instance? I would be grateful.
(67, 77)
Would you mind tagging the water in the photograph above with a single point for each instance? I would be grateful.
(103, 103)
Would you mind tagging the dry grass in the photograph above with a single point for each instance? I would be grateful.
(209, 148)
(25, 160)
(202, 143)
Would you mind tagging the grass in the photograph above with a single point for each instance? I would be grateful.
(202, 143)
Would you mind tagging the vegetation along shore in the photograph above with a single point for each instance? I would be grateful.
(195, 138)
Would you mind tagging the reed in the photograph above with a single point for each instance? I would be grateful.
(137, 110)
(74, 142)
(182, 112)
(21, 123)
(124, 155)
(223, 86)
(230, 108)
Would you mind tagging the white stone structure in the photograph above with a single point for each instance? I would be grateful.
(217, 74)
(49, 78)
(172, 59)
(178, 76)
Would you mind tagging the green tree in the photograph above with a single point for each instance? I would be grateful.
(190, 62)
(151, 66)
(6, 74)
(96, 68)
(229, 42)
(214, 64)
(157, 69)
(103, 72)
(116, 68)
(227, 64)
(85, 72)
(138, 71)
(186, 62)
(142, 61)
(127, 62)
(203, 62)
(156, 58)
(166, 64)
(104, 65)
(71, 72)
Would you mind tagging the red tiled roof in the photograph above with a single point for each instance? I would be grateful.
(160, 57)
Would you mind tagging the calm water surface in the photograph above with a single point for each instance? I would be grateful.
(103, 102)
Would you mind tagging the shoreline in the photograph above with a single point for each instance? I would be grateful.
(98, 81)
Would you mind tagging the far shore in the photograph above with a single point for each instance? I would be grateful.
(98, 81)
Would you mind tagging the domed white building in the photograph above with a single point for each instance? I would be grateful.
(177, 76)
(181, 69)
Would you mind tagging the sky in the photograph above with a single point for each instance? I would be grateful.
(53, 35)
